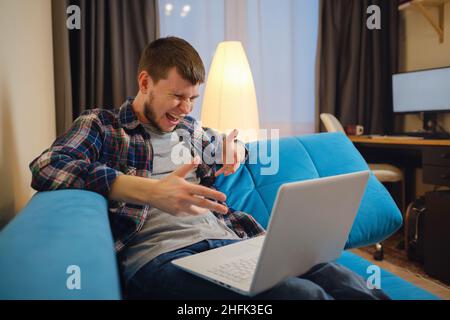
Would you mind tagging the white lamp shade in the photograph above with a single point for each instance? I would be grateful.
(230, 100)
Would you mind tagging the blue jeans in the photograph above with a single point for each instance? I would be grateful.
(160, 279)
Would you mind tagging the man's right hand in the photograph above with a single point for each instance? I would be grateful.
(172, 194)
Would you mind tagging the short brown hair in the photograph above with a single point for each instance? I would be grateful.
(163, 54)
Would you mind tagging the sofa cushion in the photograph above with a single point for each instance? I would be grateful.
(309, 157)
(394, 286)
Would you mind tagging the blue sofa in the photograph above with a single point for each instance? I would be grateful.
(59, 229)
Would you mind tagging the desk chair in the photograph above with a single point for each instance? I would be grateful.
(384, 172)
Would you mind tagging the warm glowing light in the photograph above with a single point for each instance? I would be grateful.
(230, 98)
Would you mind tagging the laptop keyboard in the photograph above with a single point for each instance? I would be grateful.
(238, 270)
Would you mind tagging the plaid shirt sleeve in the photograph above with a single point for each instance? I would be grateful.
(243, 224)
(72, 162)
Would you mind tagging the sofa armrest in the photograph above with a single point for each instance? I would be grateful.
(56, 230)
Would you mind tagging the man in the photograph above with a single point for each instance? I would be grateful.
(161, 209)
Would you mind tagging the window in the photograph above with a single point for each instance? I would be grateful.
(280, 39)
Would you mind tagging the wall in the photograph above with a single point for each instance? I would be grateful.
(420, 49)
(27, 116)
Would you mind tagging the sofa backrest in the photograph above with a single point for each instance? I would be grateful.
(309, 157)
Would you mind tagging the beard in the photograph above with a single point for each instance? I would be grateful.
(150, 114)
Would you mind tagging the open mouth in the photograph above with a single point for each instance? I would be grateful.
(173, 119)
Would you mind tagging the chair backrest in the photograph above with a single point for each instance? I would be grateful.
(331, 123)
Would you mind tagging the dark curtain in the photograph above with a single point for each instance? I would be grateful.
(104, 53)
(61, 63)
(356, 64)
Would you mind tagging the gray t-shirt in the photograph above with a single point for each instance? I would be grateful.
(163, 232)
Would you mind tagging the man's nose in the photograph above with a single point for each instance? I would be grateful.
(186, 106)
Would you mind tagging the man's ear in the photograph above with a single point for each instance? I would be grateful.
(145, 82)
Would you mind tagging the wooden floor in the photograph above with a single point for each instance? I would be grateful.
(396, 262)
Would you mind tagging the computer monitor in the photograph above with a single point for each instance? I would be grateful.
(424, 91)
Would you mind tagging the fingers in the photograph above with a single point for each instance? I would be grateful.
(206, 192)
(220, 171)
(208, 204)
(234, 168)
(230, 169)
(237, 152)
(227, 170)
(228, 147)
(183, 170)
(233, 134)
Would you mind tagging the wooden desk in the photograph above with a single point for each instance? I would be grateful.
(399, 141)
(433, 156)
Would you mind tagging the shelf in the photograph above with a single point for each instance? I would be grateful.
(423, 6)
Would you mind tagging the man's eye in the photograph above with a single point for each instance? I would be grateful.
(181, 98)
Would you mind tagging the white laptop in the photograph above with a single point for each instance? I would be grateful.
(310, 224)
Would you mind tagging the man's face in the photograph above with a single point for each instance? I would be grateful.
(169, 100)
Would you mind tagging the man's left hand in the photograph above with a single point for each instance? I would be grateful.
(232, 155)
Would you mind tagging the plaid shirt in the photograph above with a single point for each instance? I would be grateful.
(103, 144)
